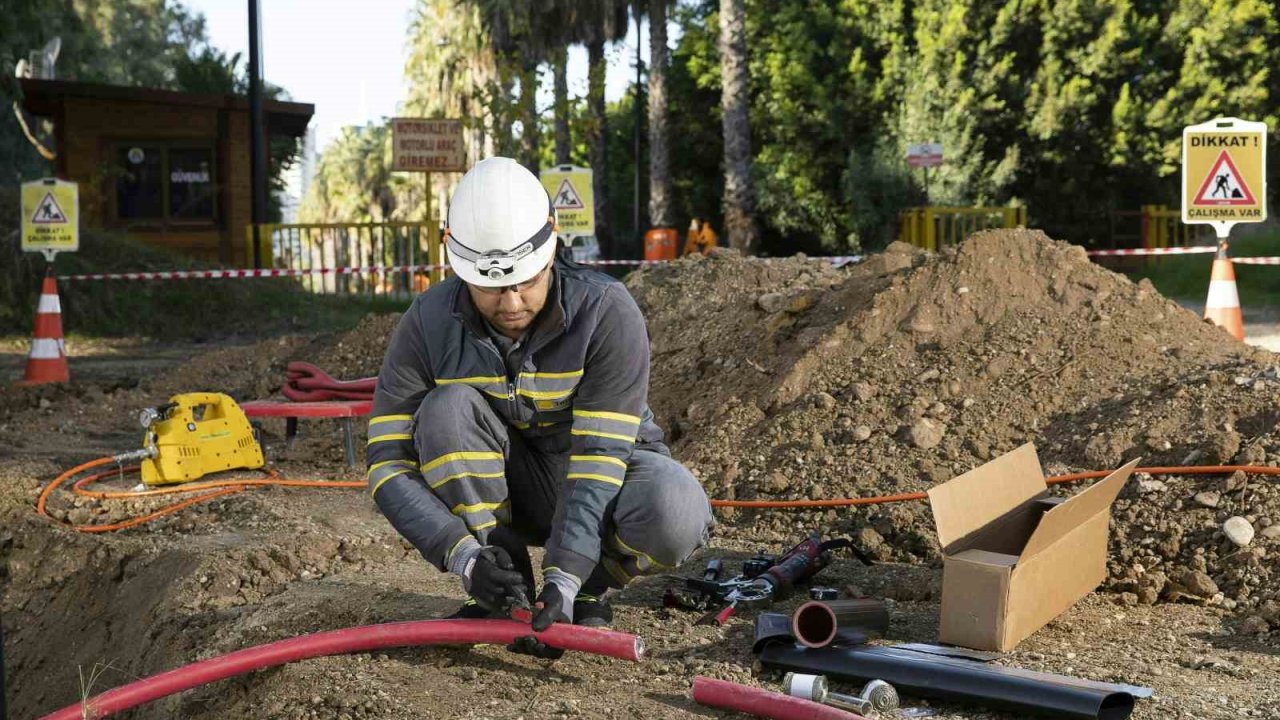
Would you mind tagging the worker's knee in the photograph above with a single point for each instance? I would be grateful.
(456, 417)
(662, 510)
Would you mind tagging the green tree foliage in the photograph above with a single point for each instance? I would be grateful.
(139, 43)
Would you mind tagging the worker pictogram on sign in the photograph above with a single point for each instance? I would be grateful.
(1224, 185)
(567, 198)
(48, 212)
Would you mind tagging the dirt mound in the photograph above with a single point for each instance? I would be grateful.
(788, 379)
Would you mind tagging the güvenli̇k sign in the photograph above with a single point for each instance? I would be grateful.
(1224, 178)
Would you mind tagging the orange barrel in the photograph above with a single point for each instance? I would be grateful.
(660, 244)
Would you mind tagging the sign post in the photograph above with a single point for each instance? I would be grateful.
(427, 145)
(50, 217)
(571, 195)
(925, 155)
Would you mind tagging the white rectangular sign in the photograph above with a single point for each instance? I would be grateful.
(427, 145)
(924, 154)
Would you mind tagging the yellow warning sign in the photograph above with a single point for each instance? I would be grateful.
(1224, 172)
(570, 191)
(50, 216)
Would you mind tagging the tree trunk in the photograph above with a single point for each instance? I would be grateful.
(560, 62)
(659, 167)
(596, 144)
(501, 106)
(739, 200)
(530, 133)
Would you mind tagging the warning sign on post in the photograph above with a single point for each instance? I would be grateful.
(1224, 172)
(50, 216)
(570, 191)
(427, 145)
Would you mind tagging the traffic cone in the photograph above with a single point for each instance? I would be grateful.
(1222, 307)
(47, 362)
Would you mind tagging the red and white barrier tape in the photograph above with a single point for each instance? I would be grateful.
(385, 269)
(1256, 260)
(1155, 251)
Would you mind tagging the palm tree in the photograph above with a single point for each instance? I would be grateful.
(598, 22)
(659, 167)
(739, 200)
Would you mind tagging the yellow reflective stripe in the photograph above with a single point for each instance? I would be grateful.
(549, 424)
(384, 463)
(384, 480)
(447, 478)
(611, 436)
(471, 380)
(461, 508)
(616, 570)
(553, 375)
(464, 455)
(483, 525)
(598, 458)
(635, 552)
(522, 426)
(593, 476)
(392, 436)
(544, 394)
(620, 417)
(389, 418)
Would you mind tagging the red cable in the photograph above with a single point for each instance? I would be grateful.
(365, 638)
(761, 703)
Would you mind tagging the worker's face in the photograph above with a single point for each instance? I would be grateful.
(512, 309)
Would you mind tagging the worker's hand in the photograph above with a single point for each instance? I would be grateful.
(495, 583)
(549, 608)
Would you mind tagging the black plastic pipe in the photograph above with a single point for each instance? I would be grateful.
(943, 678)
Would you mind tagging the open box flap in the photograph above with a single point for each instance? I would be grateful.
(967, 503)
(1071, 514)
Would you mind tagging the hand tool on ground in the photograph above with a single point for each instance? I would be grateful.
(877, 696)
(763, 579)
(193, 435)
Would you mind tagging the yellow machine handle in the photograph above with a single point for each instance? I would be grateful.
(206, 400)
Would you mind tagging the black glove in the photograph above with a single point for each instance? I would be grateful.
(495, 583)
(548, 609)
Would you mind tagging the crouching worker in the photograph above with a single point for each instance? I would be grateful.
(511, 410)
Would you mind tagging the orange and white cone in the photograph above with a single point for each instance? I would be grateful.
(47, 362)
(1223, 305)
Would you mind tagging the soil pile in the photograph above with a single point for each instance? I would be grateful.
(788, 379)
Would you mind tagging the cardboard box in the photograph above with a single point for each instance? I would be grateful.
(1015, 558)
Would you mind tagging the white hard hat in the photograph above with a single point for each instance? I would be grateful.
(501, 228)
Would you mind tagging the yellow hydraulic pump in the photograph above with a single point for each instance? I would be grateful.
(195, 434)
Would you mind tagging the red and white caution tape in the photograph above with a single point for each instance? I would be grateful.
(1256, 260)
(264, 273)
(838, 260)
(1155, 251)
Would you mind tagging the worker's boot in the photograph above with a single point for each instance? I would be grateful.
(591, 608)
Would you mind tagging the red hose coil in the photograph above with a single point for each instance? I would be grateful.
(349, 640)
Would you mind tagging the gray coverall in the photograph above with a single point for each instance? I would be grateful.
(551, 435)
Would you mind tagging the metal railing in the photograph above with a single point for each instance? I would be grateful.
(1162, 227)
(933, 228)
(394, 259)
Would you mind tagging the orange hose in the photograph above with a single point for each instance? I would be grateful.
(228, 487)
(220, 488)
(1052, 480)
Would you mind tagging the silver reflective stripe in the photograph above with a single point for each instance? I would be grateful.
(609, 425)
(600, 468)
(491, 385)
(390, 427)
(380, 473)
(479, 516)
(45, 349)
(549, 386)
(49, 304)
(452, 466)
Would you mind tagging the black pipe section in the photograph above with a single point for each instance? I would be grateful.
(943, 678)
(817, 623)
